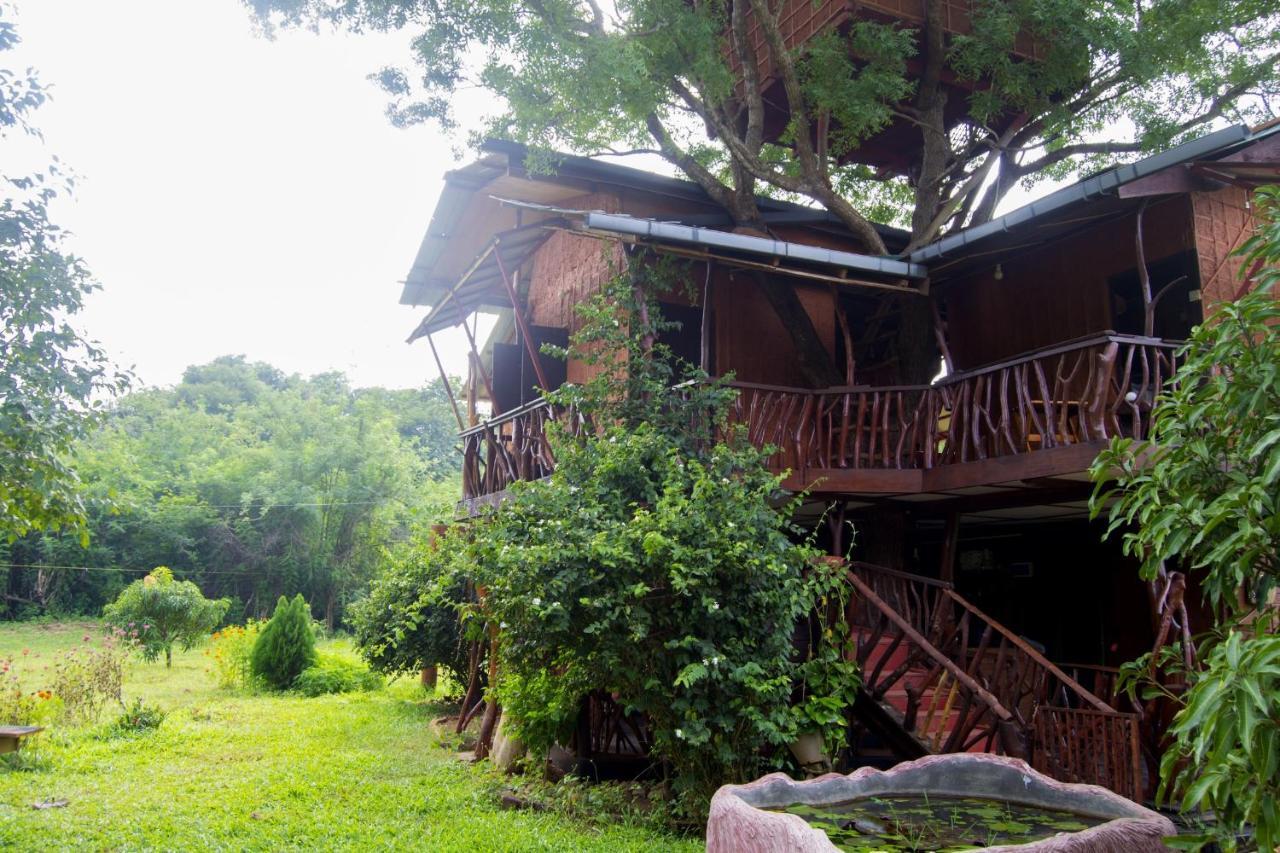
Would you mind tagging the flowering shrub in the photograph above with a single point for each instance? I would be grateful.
(85, 679)
(19, 707)
(229, 651)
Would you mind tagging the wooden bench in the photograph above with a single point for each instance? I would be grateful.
(11, 736)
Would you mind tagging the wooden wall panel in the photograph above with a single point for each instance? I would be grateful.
(1223, 221)
(750, 338)
(1055, 292)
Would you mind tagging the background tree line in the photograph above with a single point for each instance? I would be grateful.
(249, 482)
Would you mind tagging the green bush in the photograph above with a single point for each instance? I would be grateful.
(138, 718)
(336, 674)
(656, 564)
(1203, 495)
(158, 611)
(410, 619)
(286, 646)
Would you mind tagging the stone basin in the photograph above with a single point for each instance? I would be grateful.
(741, 820)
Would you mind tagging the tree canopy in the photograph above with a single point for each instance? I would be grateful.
(53, 380)
(251, 483)
(681, 79)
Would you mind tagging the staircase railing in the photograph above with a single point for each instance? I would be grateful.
(1060, 727)
(958, 712)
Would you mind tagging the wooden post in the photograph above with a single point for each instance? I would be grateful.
(950, 547)
(849, 362)
(476, 354)
(448, 389)
(704, 344)
(940, 332)
(472, 417)
(520, 321)
(491, 711)
(1144, 276)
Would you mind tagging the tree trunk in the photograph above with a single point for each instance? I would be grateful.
(168, 657)
(812, 356)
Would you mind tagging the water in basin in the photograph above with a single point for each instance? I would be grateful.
(918, 823)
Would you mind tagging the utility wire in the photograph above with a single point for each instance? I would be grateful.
(117, 569)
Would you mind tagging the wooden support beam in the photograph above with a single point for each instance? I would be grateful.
(475, 354)
(520, 322)
(448, 388)
(950, 541)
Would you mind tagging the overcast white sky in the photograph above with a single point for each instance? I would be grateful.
(236, 195)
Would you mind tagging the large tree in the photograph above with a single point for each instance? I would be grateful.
(680, 78)
(52, 379)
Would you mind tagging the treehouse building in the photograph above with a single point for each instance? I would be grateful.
(991, 615)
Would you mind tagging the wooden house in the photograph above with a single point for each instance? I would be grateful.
(969, 494)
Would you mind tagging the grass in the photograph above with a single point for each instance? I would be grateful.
(248, 772)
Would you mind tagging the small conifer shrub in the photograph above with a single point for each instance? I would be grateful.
(286, 646)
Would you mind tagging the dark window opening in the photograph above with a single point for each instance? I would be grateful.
(1173, 280)
(515, 382)
(685, 338)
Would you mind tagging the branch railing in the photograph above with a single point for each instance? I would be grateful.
(1087, 390)
(510, 447)
(1052, 721)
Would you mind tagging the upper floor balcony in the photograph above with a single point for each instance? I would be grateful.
(1042, 414)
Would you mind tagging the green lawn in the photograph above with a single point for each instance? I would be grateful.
(230, 771)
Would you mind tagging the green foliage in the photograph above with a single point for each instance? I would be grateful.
(159, 612)
(286, 646)
(1226, 756)
(654, 564)
(410, 619)
(53, 381)
(255, 483)
(666, 76)
(139, 718)
(333, 673)
(1202, 493)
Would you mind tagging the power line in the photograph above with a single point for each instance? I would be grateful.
(116, 569)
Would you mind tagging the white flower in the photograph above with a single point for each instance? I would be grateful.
(537, 602)
(680, 734)
(715, 605)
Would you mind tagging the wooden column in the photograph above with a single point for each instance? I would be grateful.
(950, 547)
(475, 353)
(520, 322)
(448, 389)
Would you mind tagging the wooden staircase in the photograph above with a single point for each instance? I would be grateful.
(941, 676)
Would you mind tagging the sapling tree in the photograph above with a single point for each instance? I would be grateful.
(160, 612)
(286, 646)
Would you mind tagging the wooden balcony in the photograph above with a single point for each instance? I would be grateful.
(1070, 399)
(1042, 414)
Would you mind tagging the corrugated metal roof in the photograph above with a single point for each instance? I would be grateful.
(482, 285)
(1216, 143)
